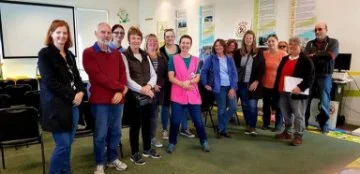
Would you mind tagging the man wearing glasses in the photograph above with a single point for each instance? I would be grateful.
(322, 51)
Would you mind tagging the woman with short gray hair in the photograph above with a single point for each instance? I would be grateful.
(294, 103)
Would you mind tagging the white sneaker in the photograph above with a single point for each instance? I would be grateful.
(99, 169)
(118, 165)
(156, 143)
(165, 135)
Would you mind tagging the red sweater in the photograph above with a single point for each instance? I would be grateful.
(107, 74)
(286, 71)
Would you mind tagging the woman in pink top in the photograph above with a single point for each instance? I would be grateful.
(272, 58)
(184, 75)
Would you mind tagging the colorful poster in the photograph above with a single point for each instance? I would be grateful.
(241, 28)
(181, 23)
(265, 19)
(207, 25)
(161, 26)
(302, 19)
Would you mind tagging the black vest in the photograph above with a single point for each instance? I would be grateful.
(139, 71)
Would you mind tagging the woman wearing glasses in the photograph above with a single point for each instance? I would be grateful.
(283, 45)
(169, 50)
(118, 34)
(272, 58)
(250, 65)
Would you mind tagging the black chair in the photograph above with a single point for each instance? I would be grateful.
(32, 82)
(19, 127)
(208, 99)
(32, 98)
(1, 90)
(17, 93)
(86, 120)
(4, 83)
(5, 101)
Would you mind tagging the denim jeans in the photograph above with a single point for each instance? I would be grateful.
(271, 103)
(289, 108)
(226, 107)
(177, 112)
(322, 85)
(153, 120)
(249, 106)
(107, 119)
(165, 118)
(60, 158)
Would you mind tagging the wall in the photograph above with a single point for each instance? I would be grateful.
(27, 67)
(340, 17)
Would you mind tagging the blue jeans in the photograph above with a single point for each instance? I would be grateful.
(60, 158)
(177, 112)
(165, 117)
(153, 120)
(107, 119)
(249, 106)
(226, 107)
(271, 102)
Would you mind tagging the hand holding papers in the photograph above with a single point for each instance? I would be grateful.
(290, 83)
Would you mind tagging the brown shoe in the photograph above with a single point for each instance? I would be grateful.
(283, 136)
(296, 141)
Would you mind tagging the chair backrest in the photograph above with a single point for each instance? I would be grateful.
(32, 82)
(207, 98)
(5, 101)
(18, 123)
(4, 83)
(32, 98)
(16, 93)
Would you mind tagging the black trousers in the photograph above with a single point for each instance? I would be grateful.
(140, 118)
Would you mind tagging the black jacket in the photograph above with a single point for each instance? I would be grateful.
(323, 58)
(257, 72)
(56, 91)
(167, 84)
(304, 69)
(162, 77)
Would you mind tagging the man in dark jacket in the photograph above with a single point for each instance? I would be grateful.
(322, 51)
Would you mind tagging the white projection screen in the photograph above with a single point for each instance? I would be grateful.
(24, 27)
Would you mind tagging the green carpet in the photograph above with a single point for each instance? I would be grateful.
(241, 154)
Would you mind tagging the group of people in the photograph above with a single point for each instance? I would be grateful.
(140, 81)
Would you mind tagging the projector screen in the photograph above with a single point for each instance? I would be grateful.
(24, 27)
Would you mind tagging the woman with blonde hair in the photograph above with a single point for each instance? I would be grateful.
(159, 62)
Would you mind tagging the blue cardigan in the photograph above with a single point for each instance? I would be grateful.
(213, 61)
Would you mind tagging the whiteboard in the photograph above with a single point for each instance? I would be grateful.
(86, 24)
(24, 27)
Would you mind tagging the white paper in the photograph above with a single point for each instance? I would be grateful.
(291, 82)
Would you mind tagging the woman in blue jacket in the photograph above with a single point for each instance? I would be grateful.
(222, 72)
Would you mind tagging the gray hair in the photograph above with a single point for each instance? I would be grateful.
(297, 40)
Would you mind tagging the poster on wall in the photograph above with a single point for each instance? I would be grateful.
(241, 28)
(264, 19)
(161, 26)
(207, 25)
(181, 23)
(302, 19)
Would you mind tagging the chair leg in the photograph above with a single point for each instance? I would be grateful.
(205, 115)
(212, 121)
(121, 150)
(2, 156)
(237, 118)
(42, 155)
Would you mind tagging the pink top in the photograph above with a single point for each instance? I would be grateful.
(182, 73)
(271, 65)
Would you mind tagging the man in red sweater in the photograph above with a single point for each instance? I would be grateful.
(107, 76)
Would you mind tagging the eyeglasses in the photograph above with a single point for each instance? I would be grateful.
(318, 29)
(116, 32)
(282, 46)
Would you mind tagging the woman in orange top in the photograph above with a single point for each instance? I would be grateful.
(272, 58)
